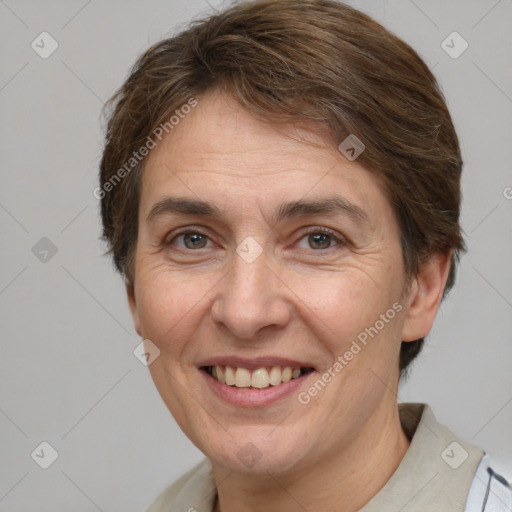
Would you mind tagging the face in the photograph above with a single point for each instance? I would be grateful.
(259, 258)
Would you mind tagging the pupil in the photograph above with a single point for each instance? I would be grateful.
(318, 239)
(194, 238)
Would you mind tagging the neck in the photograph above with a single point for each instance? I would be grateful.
(346, 480)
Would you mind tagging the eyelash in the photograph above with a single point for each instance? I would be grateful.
(340, 240)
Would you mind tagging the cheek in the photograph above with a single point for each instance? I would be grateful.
(356, 315)
(348, 301)
(170, 308)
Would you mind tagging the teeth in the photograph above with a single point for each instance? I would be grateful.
(242, 378)
(219, 374)
(275, 376)
(260, 378)
(230, 376)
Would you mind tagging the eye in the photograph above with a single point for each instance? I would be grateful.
(191, 240)
(322, 238)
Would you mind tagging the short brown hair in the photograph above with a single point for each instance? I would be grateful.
(297, 60)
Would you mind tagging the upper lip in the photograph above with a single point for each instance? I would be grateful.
(253, 363)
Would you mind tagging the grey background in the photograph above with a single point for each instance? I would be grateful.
(68, 373)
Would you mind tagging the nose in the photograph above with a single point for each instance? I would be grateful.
(250, 298)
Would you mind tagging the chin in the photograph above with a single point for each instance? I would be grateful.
(257, 455)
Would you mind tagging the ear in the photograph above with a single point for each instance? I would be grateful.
(425, 295)
(132, 301)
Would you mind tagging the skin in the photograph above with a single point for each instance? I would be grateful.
(302, 299)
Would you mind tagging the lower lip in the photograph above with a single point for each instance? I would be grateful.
(251, 397)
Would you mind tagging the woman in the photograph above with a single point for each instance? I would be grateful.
(280, 188)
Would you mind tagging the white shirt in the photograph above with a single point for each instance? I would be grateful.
(489, 491)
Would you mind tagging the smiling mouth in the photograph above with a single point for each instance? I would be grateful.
(259, 378)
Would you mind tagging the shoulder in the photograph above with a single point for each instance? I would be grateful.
(490, 491)
(194, 491)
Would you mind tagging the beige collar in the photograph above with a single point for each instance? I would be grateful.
(436, 472)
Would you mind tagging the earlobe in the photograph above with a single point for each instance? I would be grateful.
(425, 296)
(132, 302)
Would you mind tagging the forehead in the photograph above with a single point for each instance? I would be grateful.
(219, 151)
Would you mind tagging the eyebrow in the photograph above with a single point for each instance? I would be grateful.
(331, 205)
